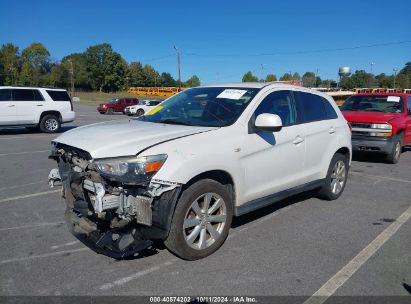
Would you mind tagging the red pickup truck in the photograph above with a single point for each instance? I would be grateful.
(381, 123)
(116, 105)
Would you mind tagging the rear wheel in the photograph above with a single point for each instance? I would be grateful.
(50, 124)
(336, 178)
(201, 221)
(395, 154)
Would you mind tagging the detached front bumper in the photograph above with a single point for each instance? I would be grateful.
(115, 245)
(372, 144)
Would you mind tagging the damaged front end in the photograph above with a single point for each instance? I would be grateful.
(114, 206)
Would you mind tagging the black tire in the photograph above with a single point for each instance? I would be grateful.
(395, 153)
(140, 112)
(110, 112)
(50, 123)
(326, 192)
(176, 241)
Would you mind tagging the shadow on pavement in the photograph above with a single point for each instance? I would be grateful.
(24, 131)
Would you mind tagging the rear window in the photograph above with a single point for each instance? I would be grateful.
(58, 95)
(26, 95)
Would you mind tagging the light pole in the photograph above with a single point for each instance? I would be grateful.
(71, 78)
(395, 75)
(262, 72)
(371, 65)
(179, 64)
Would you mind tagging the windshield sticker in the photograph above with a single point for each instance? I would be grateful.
(232, 94)
(155, 110)
(393, 98)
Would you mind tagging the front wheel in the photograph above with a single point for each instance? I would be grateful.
(140, 112)
(395, 154)
(336, 178)
(110, 112)
(201, 221)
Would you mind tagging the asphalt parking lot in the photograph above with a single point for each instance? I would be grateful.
(295, 247)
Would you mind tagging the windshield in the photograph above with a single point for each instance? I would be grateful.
(208, 107)
(386, 104)
(114, 100)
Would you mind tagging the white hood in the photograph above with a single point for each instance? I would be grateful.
(124, 138)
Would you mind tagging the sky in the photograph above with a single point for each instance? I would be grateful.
(222, 40)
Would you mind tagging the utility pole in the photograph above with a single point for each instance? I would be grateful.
(179, 65)
(71, 78)
(262, 72)
(395, 75)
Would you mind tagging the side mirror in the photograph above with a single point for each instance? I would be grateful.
(268, 122)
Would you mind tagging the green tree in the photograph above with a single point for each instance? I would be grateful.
(270, 78)
(150, 76)
(296, 76)
(194, 81)
(9, 64)
(59, 76)
(249, 77)
(135, 74)
(26, 74)
(166, 80)
(360, 79)
(81, 77)
(309, 79)
(106, 68)
(286, 77)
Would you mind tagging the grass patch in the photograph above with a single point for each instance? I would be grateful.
(95, 98)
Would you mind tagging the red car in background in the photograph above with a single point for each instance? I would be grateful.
(116, 105)
(381, 123)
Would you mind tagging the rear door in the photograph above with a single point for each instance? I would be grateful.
(319, 120)
(273, 161)
(29, 104)
(8, 112)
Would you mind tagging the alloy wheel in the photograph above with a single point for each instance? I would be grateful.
(338, 177)
(204, 221)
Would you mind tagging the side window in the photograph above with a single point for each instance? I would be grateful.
(5, 95)
(409, 104)
(38, 96)
(329, 110)
(23, 95)
(311, 107)
(280, 103)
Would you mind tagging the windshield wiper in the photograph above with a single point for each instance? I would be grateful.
(174, 122)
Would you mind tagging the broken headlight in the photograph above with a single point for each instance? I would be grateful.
(130, 170)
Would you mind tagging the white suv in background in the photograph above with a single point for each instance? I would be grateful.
(30, 107)
(144, 106)
(181, 172)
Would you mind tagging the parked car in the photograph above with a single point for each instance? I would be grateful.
(182, 172)
(381, 123)
(35, 108)
(116, 105)
(143, 107)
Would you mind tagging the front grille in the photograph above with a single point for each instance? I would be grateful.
(361, 125)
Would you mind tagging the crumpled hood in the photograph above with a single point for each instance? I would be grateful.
(370, 117)
(124, 137)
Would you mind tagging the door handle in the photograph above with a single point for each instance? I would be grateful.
(11, 106)
(331, 130)
(40, 105)
(298, 140)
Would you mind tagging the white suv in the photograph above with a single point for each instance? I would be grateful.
(34, 108)
(181, 172)
(143, 107)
